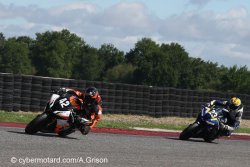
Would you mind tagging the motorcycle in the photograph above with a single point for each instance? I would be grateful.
(59, 111)
(207, 124)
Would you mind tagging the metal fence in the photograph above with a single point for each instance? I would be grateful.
(31, 93)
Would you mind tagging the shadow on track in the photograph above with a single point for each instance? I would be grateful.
(191, 140)
(44, 135)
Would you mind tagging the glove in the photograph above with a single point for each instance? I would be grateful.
(210, 103)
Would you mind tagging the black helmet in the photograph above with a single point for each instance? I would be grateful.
(91, 93)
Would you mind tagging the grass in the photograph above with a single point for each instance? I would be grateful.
(123, 121)
(19, 117)
(132, 121)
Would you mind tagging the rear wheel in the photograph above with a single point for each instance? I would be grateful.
(189, 131)
(37, 124)
(50, 127)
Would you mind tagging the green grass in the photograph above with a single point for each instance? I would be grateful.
(243, 130)
(109, 121)
(132, 124)
(17, 117)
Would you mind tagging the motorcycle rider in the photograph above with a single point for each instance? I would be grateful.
(86, 102)
(233, 114)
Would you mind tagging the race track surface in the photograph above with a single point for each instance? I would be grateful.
(115, 150)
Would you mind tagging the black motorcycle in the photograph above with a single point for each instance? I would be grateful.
(59, 109)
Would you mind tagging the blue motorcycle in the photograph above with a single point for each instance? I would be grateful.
(207, 124)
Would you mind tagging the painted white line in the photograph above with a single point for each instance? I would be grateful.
(155, 129)
(166, 130)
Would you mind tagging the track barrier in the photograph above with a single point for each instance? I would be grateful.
(31, 93)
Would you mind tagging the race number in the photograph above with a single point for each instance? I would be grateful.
(213, 113)
(64, 102)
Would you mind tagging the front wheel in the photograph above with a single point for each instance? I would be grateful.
(84, 129)
(189, 131)
(211, 135)
(37, 124)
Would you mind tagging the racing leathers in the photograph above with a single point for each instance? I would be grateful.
(90, 112)
(232, 118)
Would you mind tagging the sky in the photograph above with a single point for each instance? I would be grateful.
(213, 30)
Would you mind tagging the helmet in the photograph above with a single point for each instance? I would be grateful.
(235, 103)
(91, 94)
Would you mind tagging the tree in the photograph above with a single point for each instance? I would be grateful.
(2, 39)
(49, 58)
(202, 75)
(179, 62)
(25, 39)
(14, 58)
(236, 80)
(154, 70)
(88, 66)
(55, 53)
(142, 49)
(110, 57)
(120, 73)
(141, 58)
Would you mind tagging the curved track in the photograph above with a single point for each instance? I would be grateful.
(118, 150)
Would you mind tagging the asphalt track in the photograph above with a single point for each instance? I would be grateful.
(115, 150)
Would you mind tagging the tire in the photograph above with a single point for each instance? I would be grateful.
(37, 124)
(66, 132)
(85, 129)
(212, 135)
(50, 127)
(189, 131)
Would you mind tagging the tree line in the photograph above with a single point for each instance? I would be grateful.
(64, 54)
